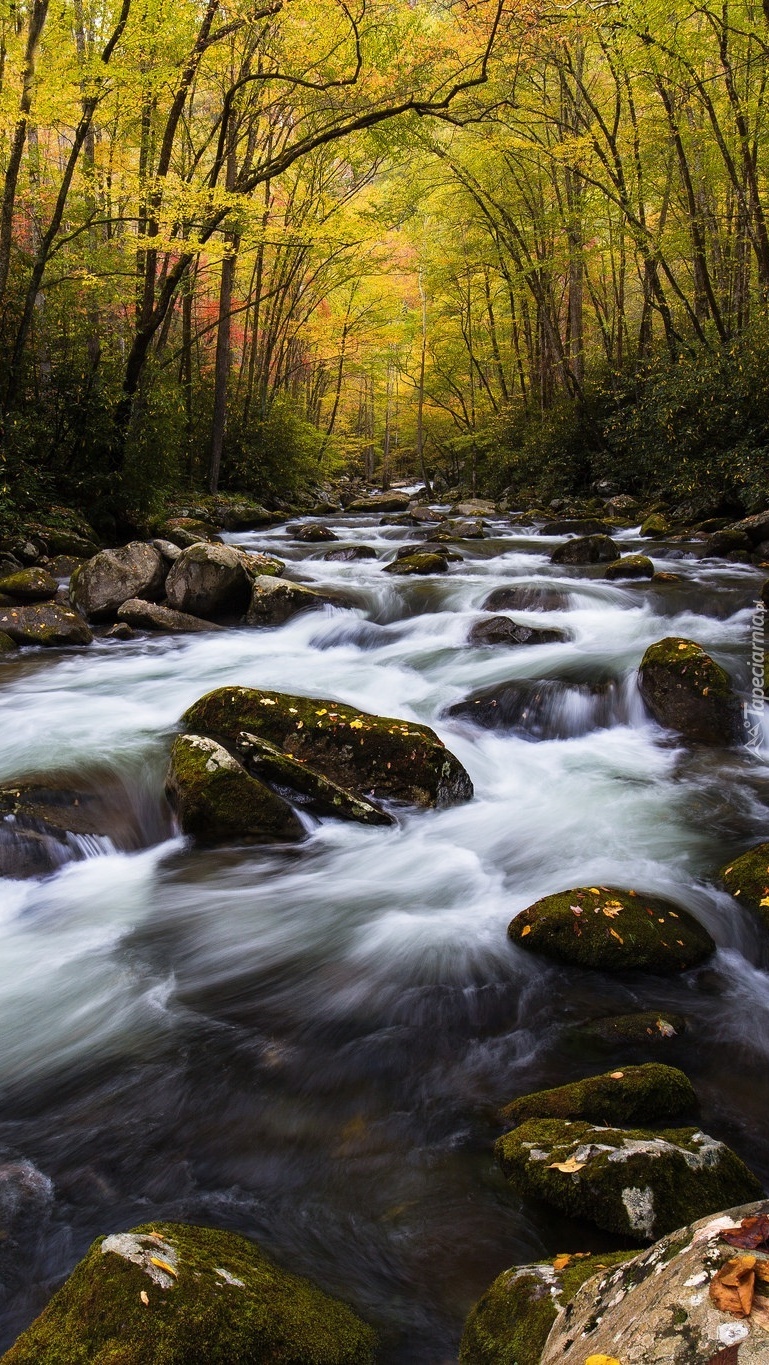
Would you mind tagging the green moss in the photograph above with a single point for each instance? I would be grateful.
(371, 755)
(418, 564)
(611, 929)
(510, 1324)
(44, 623)
(632, 1182)
(630, 566)
(252, 1314)
(688, 691)
(29, 585)
(7, 645)
(633, 1094)
(747, 879)
(323, 797)
(655, 526)
(216, 801)
(648, 1026)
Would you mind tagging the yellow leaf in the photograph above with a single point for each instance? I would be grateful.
(561, 1262)
(323, 711)
(765, 901)
(602, 1360)
(569, 1166)
(163, 1265)
(610, 913)
(594, 890)
(145, 1298)
(618, 937)
(525, 930)
(356, 724)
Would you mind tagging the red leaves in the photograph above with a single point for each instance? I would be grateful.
(751, 1235)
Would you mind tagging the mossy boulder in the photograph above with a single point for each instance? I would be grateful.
(240, 514)
(460, 530)
(187, 531)
(655, 527)
(29, 585)
(44, 623)
(575, 526)
(747, 879)
(658, 1308)
(586, 550)
(216, 801)
(500, 630)
(728, 542)
(418, 563)
(631, 1094)
(630, 566)
(7, 645)
(756, 527)
(525, 597)
(209, 581)
(391, 501)
(104, 583)
(154, 616)
(630, 1030)
(630, 1181)
(612, 930)
(274, 601)
(686, 690)
(70, 543)
(304, 784)
(171, 1294)
(509, 1325)
(312, 533)
(372, 756)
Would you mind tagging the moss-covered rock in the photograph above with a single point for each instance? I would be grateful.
(509, 1325)
(240, 514)
(460, 530)
(631, 1181)
(154, 616)
(630, 566)
(728, 542)
(170, 1294)
(187, 531)
(312, 533)
(29, 585)
(612, 930)
(526, 597)
(500, 630)
(575, 526)
(274, 601)
(391, 501)
(69, 543)
(655, 527)
(687, 691)
(44, 623)
(7, 645)
(216, 801)
(418, 563)
(586, 550)
(747, 879)
(630, 1030)
(631, 1094)
(104, 583)
(373, 756)
(304, 784)
(755, 527)
(209, 581)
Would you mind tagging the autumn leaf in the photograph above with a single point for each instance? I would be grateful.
(561, 1262)
(617, 1075)
(145, 1298)
(602, 1360)
(610, 912)
(526, 930)
(731, 1290)
(163, 1265)
(618, 937)
(569, 1166)
(752, 1233)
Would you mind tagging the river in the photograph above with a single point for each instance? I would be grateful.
(308, 1045)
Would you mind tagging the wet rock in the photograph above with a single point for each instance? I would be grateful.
(62, 566)
(612, 930)
(274, 601)
(391, 501)
(311, 533)
(510, 1324)
(656, 1309)
(575, 526)
(631, 1030)
(29, 585)
(632, 1094)
(727, 542)
(460, 530)
(420, 564)
(187, 531)
(630, 1181)
(108, 580)
(208, 581)
(260, 565)
(542, 709)
(586, 550)
(372, 756)
(474, 507)
(241, 514)
(167, 549)
(48, 821)
(756, 528)
(621, 505)
(176, 1293)
(747, 879)
(630, 566)
(422, 515)
(685, 690)
(500, 630)
(428, 547)
(7, 645)
(44, 623)
(304, 785)
(526, 597)
(70, 543)
(217, 802)
(655, 527)
(662, 576)
(152, 616)
(761, 553)
(348, 553)
(120, 631)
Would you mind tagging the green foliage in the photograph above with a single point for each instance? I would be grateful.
(276, 457)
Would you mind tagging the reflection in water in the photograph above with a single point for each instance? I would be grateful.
(310, 1045)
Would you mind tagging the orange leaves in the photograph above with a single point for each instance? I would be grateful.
(731, 1290)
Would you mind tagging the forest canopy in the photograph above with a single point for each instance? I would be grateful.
(521, 245)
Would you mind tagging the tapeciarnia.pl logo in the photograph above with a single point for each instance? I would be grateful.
(754, 708)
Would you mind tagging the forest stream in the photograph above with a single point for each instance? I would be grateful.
(309, 1045)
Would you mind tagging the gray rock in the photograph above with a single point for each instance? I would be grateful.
(44, 623)
(169, 551)
(274, 601)
(347, 553)
(312, 533)
(500, 630)
(108, 580)
(418, 563)
(575, 526)
(474, 507)
(592, 549)
(209, 581)
(525, 597)
(460, 530)
(391, 501)
(153, 616)
(216, 801)
(29, 585)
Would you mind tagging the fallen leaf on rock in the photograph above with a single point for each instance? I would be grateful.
(525, 930)
(760, 1314)
(145, 1298)
(614, 934)
(594, 890)
(569, 1166)
(610, 911)
(561, 1262)
(731, 1290)
(617, 1075)
(602, 1360)
(163, 1265)
(752, 1233)
(666, 1029)
(762, 1274)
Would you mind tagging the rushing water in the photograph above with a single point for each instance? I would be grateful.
(309, 1045)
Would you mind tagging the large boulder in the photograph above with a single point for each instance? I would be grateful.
(545, 708)
(655, 527)
(187, 531)
(525, 597)
(630, 566)
(747, 879)
(632, 1094)
(312, 533)
(418, 563)
(687, 691)
(70, 543)
(474, 507)
(209, 581)
(104, 583)
(574, 526)
(240, 514)
(609, 929)
(153, 616)
(347, 553)
(305, 785)
(373, 756)
(463, 529)
(635, 1182)
(171, 1294)
(509, 1325)
(697, 1297)
(756, 528)
(392, 501)
(216, 800)
(500, 630)
(586, 550)
(44, 623)
(29, 585)
(274, 601)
